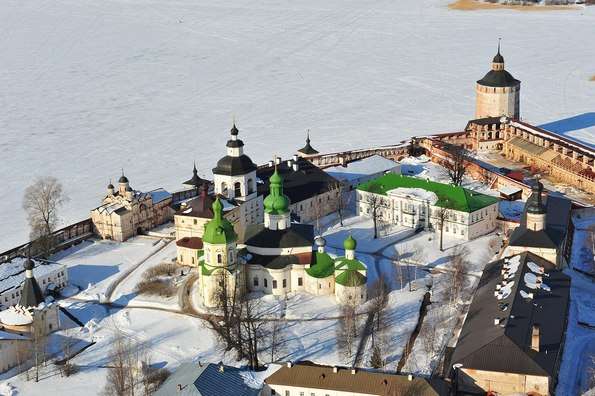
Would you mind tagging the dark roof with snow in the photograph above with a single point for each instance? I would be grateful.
(206, 380)
(558, 210)
(233, 166)
(506, 347)
(307, 182)
(298, 235)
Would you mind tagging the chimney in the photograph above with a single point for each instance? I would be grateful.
(496, 321)
(271, 163)
(335, 369)
(295, 166)
(289, 163)
(295, 158)
(352, 371)
(289, 364)
(410, 377)
(278, 160)
(535, 338)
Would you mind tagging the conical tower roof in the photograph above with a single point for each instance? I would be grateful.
(31, 295)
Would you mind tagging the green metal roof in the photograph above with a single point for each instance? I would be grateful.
(276, 202)
(322, 266)
(350, 278)
(355, 265)
(452, 197)
(219, 231)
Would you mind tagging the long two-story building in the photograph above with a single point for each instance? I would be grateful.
(418, 203)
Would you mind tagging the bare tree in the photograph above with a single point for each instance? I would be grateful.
(41, 202)
(341, 199)
(123, 373)
(380, 301)
(347, 330)
(40, 341)
(253, 330)
(456, 162)
(275, 336)
(442, 215)
(459, 266)
(374, 202)
(67, 368)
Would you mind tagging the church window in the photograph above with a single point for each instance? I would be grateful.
(250, 186)
(195, 221)
(274, 284)
(219, 259)
(192, 260)
(237, 189)
(300, 282)
(224, 188)
(266, 283)
(284, 283)
(255, 281)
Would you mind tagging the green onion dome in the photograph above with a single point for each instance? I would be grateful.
(219, 231)
(276, 202)
(349, 243)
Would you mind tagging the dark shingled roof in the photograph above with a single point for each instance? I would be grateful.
(298, 235)
(498, 78)
(556, 225)
(195, 180)
(233, 166)
(278, 262)
(307, 182)
(483, 345)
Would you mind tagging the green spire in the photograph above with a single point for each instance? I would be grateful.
(219, 231)
(276, 202)
(349, 243)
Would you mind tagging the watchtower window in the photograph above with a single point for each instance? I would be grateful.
(237, 189)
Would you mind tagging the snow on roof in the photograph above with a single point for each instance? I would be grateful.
(508, 190)
(535, 268)
(418, 193)
(12, 273)
(553, 136)
(5, 335)
(16, 316)
(159, 194)
(364, 167)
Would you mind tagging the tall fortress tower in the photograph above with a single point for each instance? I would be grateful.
(498, 92)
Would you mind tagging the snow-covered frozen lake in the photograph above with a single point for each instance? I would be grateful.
(89, 87)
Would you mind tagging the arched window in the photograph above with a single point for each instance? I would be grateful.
(255, 281)
(237, 189)
(219, 259)
(224, 188)
(250, 186)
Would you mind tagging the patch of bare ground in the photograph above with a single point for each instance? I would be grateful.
(472, 5)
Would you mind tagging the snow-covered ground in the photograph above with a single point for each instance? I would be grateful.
(90, 87)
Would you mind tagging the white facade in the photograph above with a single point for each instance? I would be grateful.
(12, 276)
(416, 210)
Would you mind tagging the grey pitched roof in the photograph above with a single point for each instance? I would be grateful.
(206, 380)
(483, 345)
(298, 235)
(282, 261)
(307, 182)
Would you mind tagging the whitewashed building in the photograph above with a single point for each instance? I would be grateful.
(49, 276)
(424, 204)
